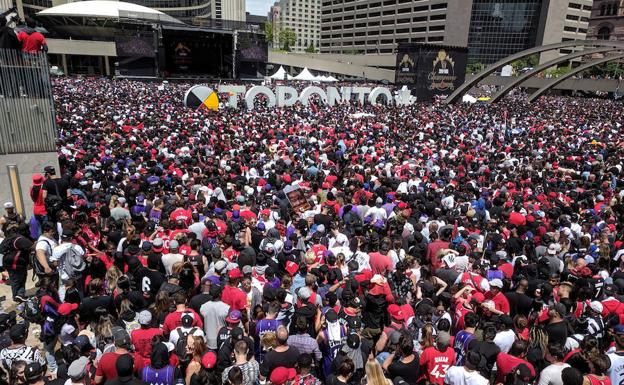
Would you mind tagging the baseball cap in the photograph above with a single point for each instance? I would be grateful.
(355, 323)
(292, 268)
(496, 283)
(618, 329)
(220, 265)
(66, 308)
(395, 312)
(18, 331)
(187, 319)
(146, 246)
(82, 342)
(281, 375)
(9, 205)
(522, 375)
(157, 245)
(209, 360)
(234, 317)
(304, 293)
(552, 249)
(78, 369)
(235, 273)
(173, 244)
(559, 308)
(33, 372)
(247, 269)
(121, 336)
(145, 317)
(49, 170)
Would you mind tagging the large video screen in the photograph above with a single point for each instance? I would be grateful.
(198, 53)
(430, 70)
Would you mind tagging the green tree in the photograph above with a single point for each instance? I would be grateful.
(287, 38)
(311, 48)
(268, 32)
(527, 62)
(473, 68)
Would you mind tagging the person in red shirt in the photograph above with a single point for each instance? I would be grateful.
(435, 360)
(181, 214)
(232, 295)
(501, 303)
(174, 320)
(107, 369)
(507, 362)
(31, 40)
(380, 263)
(433, 250)
(142, 337)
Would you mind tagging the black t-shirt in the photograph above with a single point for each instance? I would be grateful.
(274, 359)
(136, 299)
(410, 372)
(89, 304)
(51, 185)
(333, 380)
(557, 332)
(149, 280)
(519, 303)
(489, 350)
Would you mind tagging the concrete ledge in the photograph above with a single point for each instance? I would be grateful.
(27, 165)
(81, 47)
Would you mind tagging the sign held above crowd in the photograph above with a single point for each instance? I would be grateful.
(286, 96)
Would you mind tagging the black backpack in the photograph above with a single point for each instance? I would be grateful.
(53, 202)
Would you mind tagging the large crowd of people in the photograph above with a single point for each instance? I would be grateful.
(353, 244)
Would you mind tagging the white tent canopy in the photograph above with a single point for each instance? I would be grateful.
(305, 75)
(331, 79)
(469, 99)
(108, 10)
(279, 75)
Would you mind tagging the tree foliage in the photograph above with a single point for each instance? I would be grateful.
(311, 48)
(287, 38)
(268, 32)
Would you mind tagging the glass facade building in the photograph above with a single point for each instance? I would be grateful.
(500, 28)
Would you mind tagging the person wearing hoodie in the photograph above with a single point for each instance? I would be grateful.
(160, 371)
(8, 38)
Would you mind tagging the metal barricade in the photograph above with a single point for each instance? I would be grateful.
(27, 117)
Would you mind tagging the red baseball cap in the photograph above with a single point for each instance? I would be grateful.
(281, 375)
(292, 268)
(66, 308)
(235, 273)
(395, 312)
(209, 360)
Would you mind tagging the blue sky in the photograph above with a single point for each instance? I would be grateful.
(259, 7)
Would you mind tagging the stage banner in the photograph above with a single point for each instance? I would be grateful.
(430, 70)
(132, 46)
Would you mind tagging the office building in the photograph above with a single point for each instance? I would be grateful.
(607, 20)
(491, 29)
(303, 17)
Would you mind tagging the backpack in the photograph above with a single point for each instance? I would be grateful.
(186, 334)
(32, 310)
(73, 263)
(34, 261)
(53, 202)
